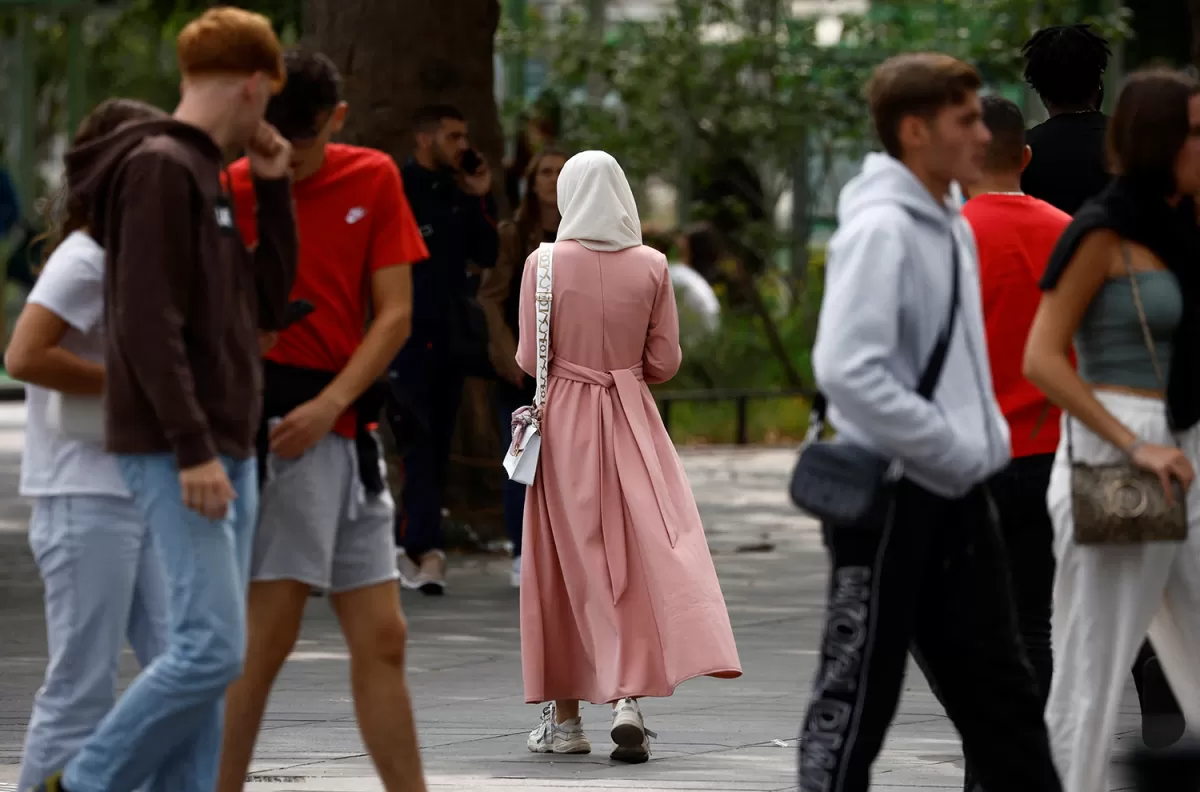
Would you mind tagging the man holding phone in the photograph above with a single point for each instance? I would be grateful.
(449, 187)
(327, 516)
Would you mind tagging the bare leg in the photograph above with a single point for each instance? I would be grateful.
(566, 710)
(376, 635)
(276, 609)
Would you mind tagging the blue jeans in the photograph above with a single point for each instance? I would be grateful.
(103, 584)
(514, 491)
(165, 731)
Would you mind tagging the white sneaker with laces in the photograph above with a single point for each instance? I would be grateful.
(559, 738)
(514, 577)
(629, 733)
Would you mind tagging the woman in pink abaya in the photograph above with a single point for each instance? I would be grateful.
(619, 597)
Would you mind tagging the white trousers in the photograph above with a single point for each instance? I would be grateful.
(1106, 599)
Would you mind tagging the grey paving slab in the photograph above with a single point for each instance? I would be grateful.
(738, 736)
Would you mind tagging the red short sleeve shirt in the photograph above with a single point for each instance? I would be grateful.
(353, 221)
(1015, 235)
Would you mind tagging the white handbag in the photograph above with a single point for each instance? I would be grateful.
(76, 417)
(521, 460)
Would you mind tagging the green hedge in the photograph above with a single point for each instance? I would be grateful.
(739, 356)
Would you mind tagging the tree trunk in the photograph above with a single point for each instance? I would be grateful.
(396, 57)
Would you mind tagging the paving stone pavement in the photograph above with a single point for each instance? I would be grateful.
(738, 736)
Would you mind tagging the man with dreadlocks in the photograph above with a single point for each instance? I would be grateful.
(1065, 66)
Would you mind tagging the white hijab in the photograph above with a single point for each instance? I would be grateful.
(596, 204)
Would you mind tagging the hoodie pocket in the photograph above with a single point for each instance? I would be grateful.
(968, 455)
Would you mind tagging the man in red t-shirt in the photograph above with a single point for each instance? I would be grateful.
(326, 515)
(1015, 234)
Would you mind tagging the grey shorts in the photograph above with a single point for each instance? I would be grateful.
(317, 524)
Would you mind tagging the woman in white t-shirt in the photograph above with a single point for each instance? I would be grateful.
(103, 581)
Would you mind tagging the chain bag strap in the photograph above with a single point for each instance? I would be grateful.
(522, 456)
(1121, 503)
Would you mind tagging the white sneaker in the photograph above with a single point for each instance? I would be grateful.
(514, 577)
(431, 577)
(408, 569)
(629, 733)
(558, 738)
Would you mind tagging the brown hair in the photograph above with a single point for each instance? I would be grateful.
(528, 217)
(1003, 118)
(1149, 126)
(915, 84)
(228, 40)
(103, 120)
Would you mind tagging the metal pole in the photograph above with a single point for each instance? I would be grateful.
(77, 89)
(741, 435)
(21, 152)
(684, 186)
(801, 210)
(514, 68)
(596, 15)
(597, 19)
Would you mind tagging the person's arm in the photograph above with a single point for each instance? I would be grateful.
(1048, 348)
(70, 293)
(857, 339)
(494, 289)
(395, 244)
(304, 426)
(662, 356)
(391, 290)
(153, 271)
(1048, 360)
(34, 355)
(276, 253)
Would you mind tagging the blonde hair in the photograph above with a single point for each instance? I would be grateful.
(227, 40)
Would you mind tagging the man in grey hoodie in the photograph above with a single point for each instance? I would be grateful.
(925, 572)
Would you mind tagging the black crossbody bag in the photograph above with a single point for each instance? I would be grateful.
(840, 483)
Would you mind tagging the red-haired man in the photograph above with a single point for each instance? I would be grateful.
(184, 303)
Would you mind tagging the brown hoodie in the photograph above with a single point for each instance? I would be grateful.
(183, 296)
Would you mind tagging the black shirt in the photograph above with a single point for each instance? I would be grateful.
(457, 228)
(1069, 164)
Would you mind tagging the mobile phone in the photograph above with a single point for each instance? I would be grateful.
(297, 310)
(471, 161)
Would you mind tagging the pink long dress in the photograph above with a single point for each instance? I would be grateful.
(619, 596)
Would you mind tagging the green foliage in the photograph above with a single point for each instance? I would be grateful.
(674, 98)
(738, 356)
(705, 76)
(775, 420)
(130, 51)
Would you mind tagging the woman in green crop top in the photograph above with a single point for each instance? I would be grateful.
(1134, 244)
